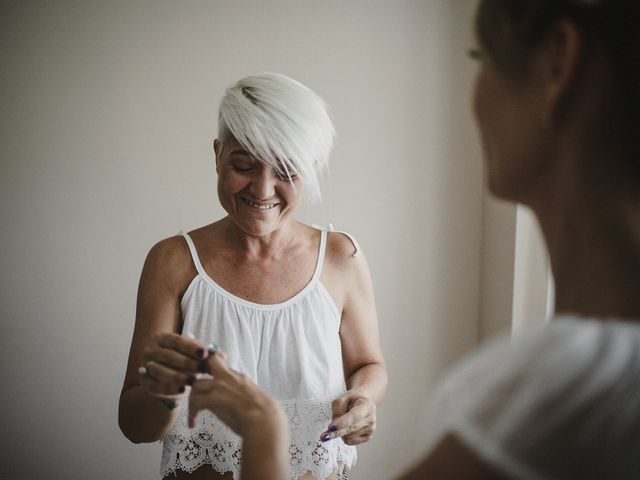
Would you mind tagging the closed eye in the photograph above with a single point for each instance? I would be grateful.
(284, 177)
(285, 174)
(243, 168)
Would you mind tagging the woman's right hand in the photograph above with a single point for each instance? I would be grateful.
(170, 363)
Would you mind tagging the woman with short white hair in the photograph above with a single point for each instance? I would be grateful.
(291, 305)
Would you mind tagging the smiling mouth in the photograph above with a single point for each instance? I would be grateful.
(259, 206)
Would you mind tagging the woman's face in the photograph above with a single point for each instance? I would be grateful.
(257, 199)
(510, 126)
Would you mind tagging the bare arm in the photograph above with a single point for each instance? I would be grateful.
(143, 414)
(364, 365)
(354, 417)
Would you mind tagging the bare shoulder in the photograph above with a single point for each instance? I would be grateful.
(345, 261)
(172, 251)
(346, 270)
(169, 262)
(343, 252)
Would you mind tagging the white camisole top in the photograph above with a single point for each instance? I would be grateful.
(291, 349)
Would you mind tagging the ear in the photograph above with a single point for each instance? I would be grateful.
(217, 149)
(561, 56)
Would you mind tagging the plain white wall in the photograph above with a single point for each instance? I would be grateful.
(532, 279)
(108, 113)
(498, 266)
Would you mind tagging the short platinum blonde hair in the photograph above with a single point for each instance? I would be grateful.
(282, 123)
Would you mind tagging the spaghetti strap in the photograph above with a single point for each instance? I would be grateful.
(194, 253)
(321, 252)
(330, 228)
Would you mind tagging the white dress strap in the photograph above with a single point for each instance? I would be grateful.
(194, 253)
(321, 252)
(329, 228)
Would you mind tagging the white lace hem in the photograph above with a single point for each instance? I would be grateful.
(211, 442)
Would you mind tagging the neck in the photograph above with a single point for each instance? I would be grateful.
(272, 245)
(591, 224)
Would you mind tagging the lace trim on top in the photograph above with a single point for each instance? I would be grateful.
(211, 442)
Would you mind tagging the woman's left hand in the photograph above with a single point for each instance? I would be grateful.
(354, 418)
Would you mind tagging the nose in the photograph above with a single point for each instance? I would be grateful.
(263, 183)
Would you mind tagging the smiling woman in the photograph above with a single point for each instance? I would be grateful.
(259, 198)
(292, 306)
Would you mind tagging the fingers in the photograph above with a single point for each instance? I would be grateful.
(357, 439)
(340, 405)
(184, 345)
(176, 360)
(196, 403)
(356, 417)
(161, 380)
(356, 425)
(200, 396)
(217, 365)
(224, 396)
(172, 362)
(205, 394)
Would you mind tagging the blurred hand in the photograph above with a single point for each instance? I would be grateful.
(171, 362)
(236, 400)
(354, 419)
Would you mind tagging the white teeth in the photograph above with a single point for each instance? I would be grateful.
(260, 207)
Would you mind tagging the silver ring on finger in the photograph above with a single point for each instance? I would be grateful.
(144, 369)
